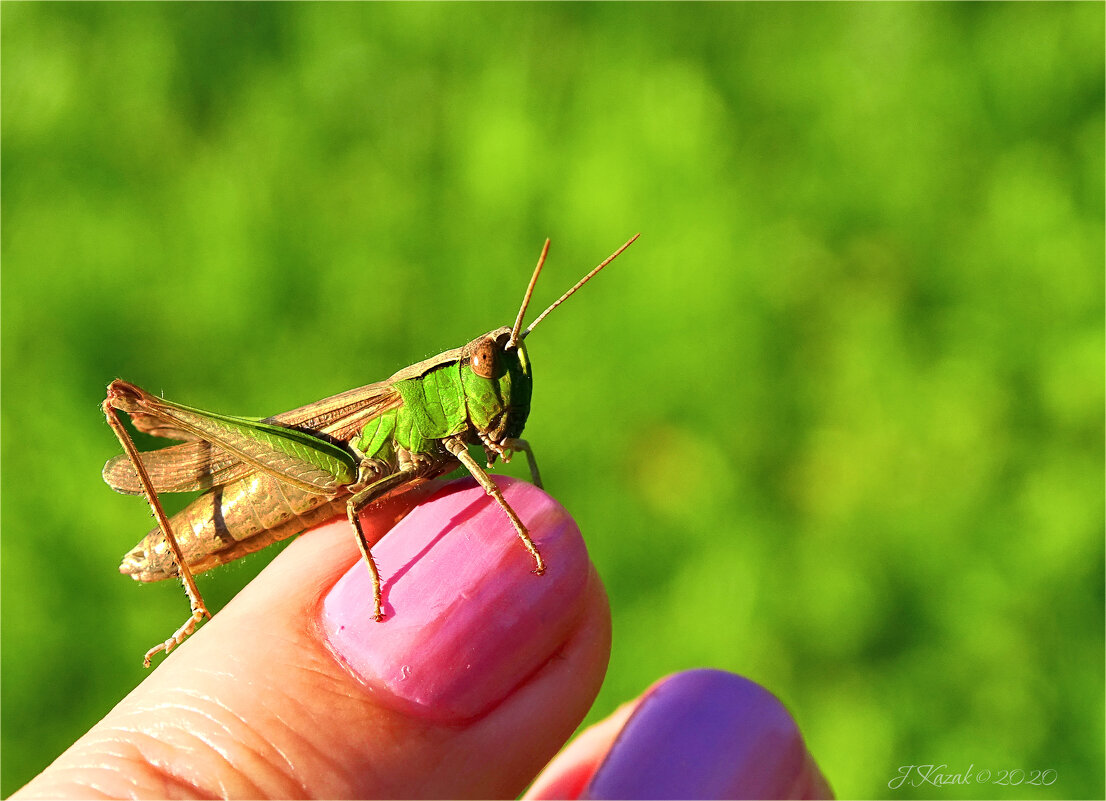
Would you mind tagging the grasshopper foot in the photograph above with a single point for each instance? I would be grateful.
(198, 614)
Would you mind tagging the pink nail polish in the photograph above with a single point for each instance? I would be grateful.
(466, 619)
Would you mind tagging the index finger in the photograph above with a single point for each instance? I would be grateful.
(293, 689)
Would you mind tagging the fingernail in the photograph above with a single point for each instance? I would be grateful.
(708, 734)
(466, 619)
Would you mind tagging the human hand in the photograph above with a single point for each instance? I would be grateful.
(477, 676)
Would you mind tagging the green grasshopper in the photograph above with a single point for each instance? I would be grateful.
(269, 479)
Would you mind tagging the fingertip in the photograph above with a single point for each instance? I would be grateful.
(459, 595)
(708, 734)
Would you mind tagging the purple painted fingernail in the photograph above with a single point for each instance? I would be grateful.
(466, 620)
(708, 734)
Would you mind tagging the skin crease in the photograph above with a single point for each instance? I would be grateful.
(256, 705)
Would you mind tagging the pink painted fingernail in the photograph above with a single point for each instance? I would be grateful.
(466, 619)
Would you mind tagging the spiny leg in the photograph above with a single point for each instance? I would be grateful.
(356, 503)
(524, 447)
(195, 600)
(455, 446)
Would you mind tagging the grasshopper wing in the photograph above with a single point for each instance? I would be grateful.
(216, 457)
(187, 467)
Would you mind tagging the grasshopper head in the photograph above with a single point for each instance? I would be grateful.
(497, 382)
(495, 368)
(491, 355)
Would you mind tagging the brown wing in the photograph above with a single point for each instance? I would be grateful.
(199, 465)
(156, 427)
(342, 416)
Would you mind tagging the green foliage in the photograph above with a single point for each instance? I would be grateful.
(835, 422)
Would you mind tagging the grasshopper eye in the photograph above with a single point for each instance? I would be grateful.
(484, 360)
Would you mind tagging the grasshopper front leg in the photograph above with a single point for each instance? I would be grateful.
(457, 447)
(117, 399)
(524, 446)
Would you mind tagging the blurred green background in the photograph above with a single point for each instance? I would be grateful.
(835, 422)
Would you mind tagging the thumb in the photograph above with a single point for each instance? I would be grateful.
(294, 690)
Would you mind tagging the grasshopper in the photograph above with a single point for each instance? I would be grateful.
(268, 479)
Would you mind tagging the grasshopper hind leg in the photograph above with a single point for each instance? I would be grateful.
(198, 614)
(121, 397)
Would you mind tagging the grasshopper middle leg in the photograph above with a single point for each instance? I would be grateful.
(356, 503)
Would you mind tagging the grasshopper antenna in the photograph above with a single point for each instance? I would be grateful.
(515, 338)
(568, 294)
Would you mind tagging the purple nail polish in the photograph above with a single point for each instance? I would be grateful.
(466, 620)
(708, 734)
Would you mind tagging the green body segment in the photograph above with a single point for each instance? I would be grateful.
(450, 400)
